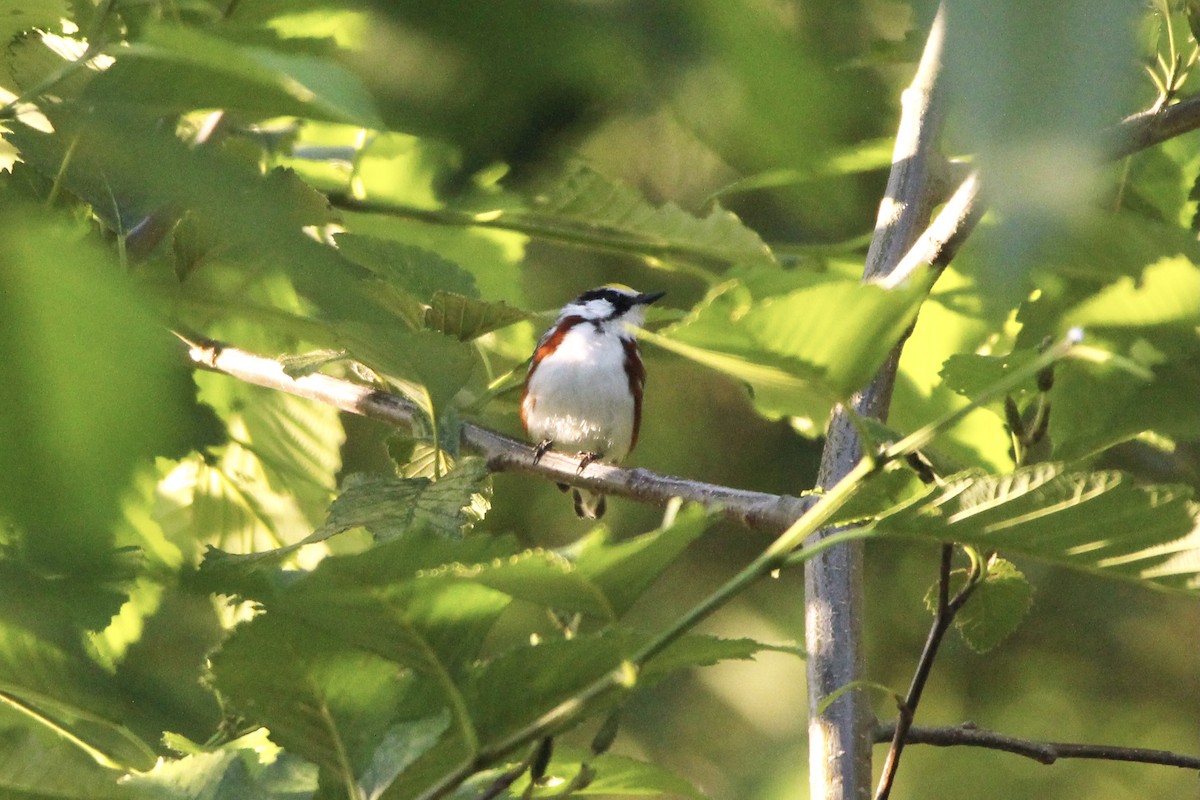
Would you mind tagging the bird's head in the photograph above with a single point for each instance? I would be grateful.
(611, 302)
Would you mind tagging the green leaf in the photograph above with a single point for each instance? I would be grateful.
(546, 578)
(592, 576)
(591, 206)
(402, 745)
(420, 272)
(971, 375)
(996, 607)
(296, 442)
(182, 68)
(321, 700)
(623, 571)
(1167, 293)
(45, 673)
(250, 766)
(548, 674)
(1096, 521)
(802, 351)
(17, 16)
(25, 751)
(612, 776)
(441, 364)
(466, 318)
(390, 507)
(844, 329)
(71, 436)
(702, 650)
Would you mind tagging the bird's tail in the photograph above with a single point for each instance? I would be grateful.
(588, 505)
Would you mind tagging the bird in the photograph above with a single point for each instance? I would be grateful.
(584, 387)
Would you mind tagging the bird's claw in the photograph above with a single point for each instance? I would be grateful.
(540, 449)
(586, 458)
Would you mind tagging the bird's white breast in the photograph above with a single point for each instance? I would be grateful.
(579, 398)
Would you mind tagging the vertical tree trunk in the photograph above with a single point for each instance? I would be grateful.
(840, 735)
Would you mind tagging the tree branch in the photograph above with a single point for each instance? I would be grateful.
(967, 735)
(839, 747)
(756, 510)
(938, 245)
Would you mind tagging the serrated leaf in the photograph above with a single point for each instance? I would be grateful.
(611, 776)
(702, 650)
(467, 318)
(250, 766)
(389, 506)
(1096, 521)
(844, 329)
(623, 571)
(421, 272)
(1167, 293)
(184, 68)
(594, 576)
(440, 364)
(17, 16)
(321, 700)
(548, 673)
(800, 352)
(591, 204)
(996, 607)
(546, 578)
(29, 60)
(970, 375)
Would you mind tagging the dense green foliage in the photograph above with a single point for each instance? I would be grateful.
(212, 590)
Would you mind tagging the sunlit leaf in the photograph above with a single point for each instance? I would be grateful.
(183, 68)
(1096, 521)
(1168, 292)
(250, 766)
(17, 16)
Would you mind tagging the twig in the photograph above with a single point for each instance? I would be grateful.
(967, 735)
(947, 607)
(755, 510)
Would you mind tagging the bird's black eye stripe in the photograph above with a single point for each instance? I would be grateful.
(621, 302)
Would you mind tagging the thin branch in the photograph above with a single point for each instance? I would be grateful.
(947, 608)
(967, 735)
(755, 510)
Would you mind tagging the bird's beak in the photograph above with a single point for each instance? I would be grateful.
(648, 298)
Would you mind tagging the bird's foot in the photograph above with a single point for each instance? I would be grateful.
(540, 449)
(586, 458)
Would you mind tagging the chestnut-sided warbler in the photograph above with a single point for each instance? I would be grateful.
(583, 391)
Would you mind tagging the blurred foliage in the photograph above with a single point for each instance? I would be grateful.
(212, 590)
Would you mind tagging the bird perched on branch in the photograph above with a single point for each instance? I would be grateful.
(583, 391)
